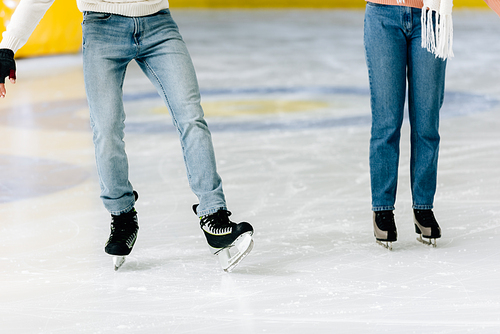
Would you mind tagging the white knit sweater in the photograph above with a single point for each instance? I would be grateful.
(29, 13)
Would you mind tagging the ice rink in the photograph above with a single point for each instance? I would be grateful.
(286, 97)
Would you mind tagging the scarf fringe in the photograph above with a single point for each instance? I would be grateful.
(439, 41)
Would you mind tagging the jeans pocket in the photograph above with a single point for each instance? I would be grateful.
(89, 17)
(163, 12)
(373, 4)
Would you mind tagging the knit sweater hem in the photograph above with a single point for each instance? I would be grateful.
(125, 9)
(407, 3)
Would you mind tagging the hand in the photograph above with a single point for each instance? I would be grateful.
(7, 69)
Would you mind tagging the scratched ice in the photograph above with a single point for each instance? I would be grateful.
(286, 97)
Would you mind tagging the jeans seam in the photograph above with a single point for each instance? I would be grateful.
(172, 114)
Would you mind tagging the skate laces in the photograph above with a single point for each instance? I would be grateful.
(124, 227)
(217, 223)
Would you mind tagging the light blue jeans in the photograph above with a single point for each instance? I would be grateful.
(110, 43)
(394, 56)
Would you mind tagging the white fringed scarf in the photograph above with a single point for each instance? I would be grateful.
(439, 41)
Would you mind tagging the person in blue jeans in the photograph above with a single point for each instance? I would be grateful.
(114, 34)
(395, 57)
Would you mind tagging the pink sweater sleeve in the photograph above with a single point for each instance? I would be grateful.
(494, 4)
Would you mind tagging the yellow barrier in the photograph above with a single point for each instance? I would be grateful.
(60, 29)
(294, 3)
(469, 4)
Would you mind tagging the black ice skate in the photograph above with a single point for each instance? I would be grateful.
(231, 242)
(426, 226)
(124, 228)
(384, 228)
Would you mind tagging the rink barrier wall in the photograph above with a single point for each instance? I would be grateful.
(60, 32)
(295, 4)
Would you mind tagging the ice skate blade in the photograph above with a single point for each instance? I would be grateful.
(231, 256)
(430, 242)
(385, 244)
(118, 261)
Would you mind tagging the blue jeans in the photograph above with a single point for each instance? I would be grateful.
(394, 56)
(110, 43)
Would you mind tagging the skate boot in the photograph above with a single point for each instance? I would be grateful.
(124, 228)
(384, 228)
(426, 226)
(231, 242)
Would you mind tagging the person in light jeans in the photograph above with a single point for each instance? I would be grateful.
(114, 34)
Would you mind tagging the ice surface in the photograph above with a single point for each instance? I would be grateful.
(286, 95)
